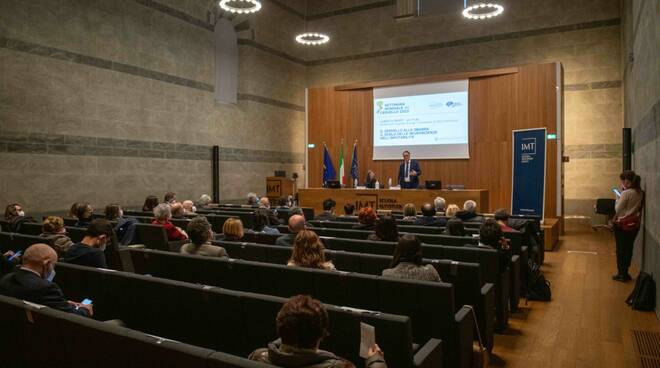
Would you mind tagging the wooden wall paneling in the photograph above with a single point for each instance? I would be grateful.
(499, 103)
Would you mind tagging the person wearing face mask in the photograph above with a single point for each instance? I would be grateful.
(15, 216)
(90, 251)
(125, 226)
(33, 282)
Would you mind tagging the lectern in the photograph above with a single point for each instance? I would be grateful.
(277, 187)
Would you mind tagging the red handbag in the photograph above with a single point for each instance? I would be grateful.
(630, 222)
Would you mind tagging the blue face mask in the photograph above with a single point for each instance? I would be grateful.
(51, 275)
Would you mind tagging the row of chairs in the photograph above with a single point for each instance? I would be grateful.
(430, 305)
(233, 322)
(44, 337)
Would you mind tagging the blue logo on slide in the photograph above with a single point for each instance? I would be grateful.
(453, 104)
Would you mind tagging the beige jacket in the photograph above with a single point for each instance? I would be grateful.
(628, 203)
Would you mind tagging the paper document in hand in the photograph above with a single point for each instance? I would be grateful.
(367, 339)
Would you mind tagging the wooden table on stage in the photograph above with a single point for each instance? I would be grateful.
(385, 199)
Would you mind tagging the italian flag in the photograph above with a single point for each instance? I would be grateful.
(342, 176)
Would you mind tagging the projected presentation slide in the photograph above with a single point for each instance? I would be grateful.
(430, 120)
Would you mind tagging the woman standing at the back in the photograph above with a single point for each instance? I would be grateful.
(627, 221)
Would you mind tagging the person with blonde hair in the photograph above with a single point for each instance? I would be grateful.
(409, 212)
(451, 210)
(232, 230)
(308, 252)
(55, 232)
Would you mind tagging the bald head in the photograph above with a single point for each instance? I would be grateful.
(40, 258)
(296, 223)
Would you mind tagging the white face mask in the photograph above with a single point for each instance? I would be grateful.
(21, 213)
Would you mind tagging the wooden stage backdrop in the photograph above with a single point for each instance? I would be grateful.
(501, 100)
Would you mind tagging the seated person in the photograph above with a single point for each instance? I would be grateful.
(455, 227)
(301, 325)
(177, 211)
(308, 252)
(273, 220)
(162, 216)
(72, 210)
(349, 210)
(409, 212)
(370, 180)
(428, 217)
(260, 219)
(439, 204)
(84, 213)
(284, 202)
(125, 228)
(295, 210)
(188, 207)
(451, 210)
(366, 219)
(90, 251)
(502, 218)
(205, 201)
(490, 237)
(296, 225)
(200, 233)
(328, 213)
(232, 230)
(170, 198)
(386, 230)
(407, 261)
(53, 230)
(33, 282)
(150, 203)
(15, 216)
(252, 199)
(469, 212)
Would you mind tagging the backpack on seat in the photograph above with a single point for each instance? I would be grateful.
(538, 288)
(643, 295)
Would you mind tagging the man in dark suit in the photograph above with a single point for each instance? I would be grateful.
(33, 282)
(296, 224)
(327, 214)
(409, 172)
(428, 217)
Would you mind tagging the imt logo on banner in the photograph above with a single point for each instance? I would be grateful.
(528, 187)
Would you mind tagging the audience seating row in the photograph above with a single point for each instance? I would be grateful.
(42, 337)
(404, 228)
(469, 289)
(233, 322)
(430, 305)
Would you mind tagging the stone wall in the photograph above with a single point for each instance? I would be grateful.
(109, 101)
(641, 56)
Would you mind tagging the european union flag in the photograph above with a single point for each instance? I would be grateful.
(329, 172)
(354, 164)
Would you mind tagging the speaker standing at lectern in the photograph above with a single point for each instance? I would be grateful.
(409, 172)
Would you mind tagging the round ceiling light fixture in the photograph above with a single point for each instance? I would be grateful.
(240, 6)
(483, 11)
(312, 38)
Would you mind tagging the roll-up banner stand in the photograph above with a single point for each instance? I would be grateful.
(528, 170)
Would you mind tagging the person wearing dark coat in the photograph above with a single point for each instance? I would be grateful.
(327, 214)
(428, 217)
(296, 224)
(33, 282)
